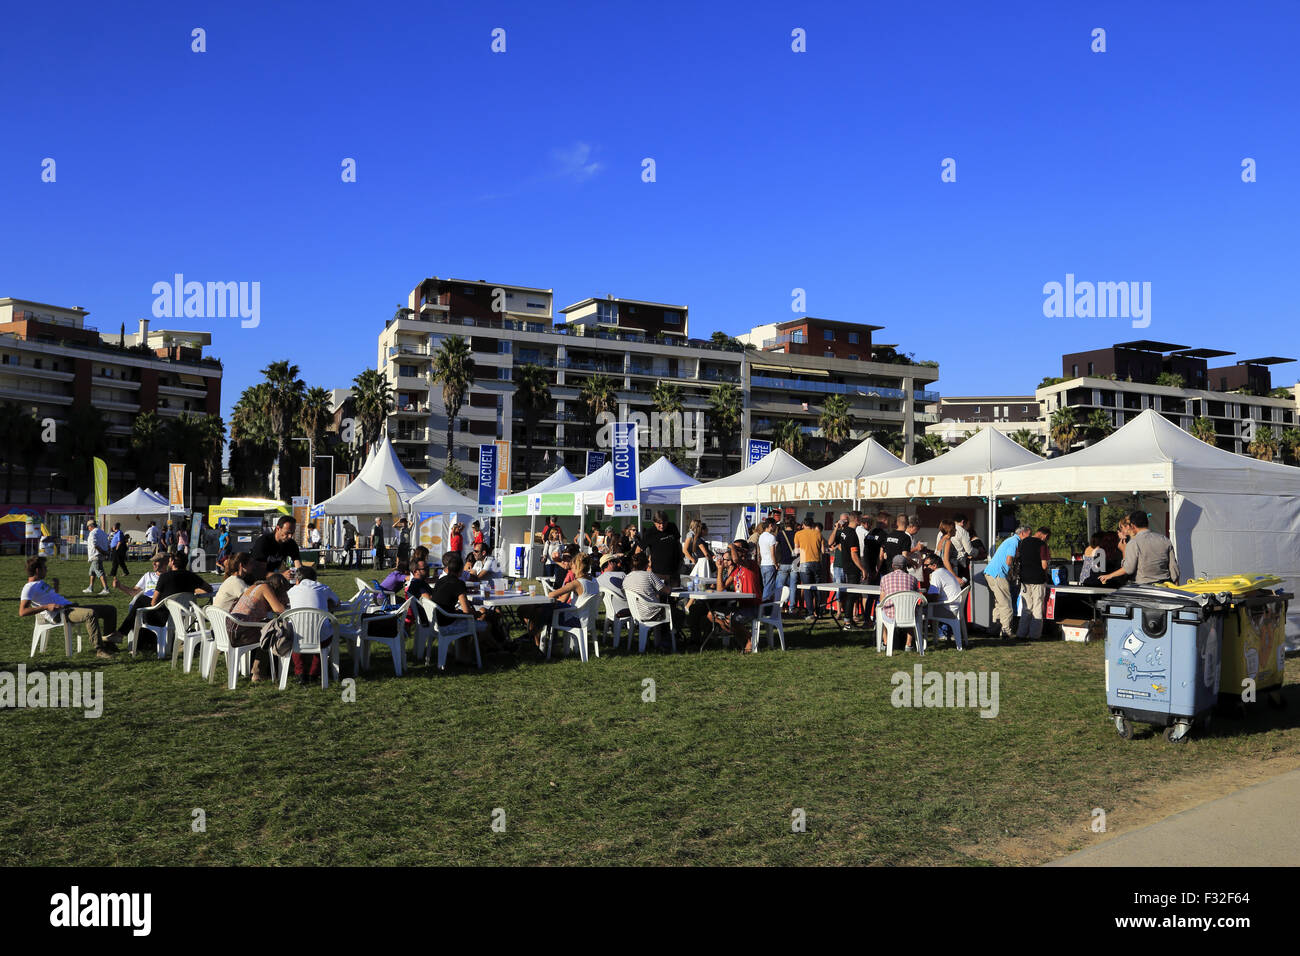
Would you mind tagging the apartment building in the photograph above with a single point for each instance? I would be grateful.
(1178, 382)
(51, 360)
(634, 342)
(960, 416)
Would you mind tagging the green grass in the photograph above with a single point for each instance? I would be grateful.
(586, 772)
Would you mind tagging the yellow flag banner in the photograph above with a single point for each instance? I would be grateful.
(99, 468)
(394, 502)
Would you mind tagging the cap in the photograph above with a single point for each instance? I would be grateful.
(899, 562)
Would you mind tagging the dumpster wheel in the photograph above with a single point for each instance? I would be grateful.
(1123, 727)
(1178, 732)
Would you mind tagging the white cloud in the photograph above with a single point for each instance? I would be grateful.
(574, 162)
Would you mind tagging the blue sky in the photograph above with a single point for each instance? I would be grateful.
(775, 169)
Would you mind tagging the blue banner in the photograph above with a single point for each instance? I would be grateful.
(487, 479)
(595, 461)
(757, 450)
(626, 496)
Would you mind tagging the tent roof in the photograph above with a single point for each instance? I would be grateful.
(664, 474)
(962, 472)
(558, 480)
(368, 492)
(1150, 453)
(441, 496)
(868, 459)
(661, 484)
(142, 501)
(741, 487)
(602, 480)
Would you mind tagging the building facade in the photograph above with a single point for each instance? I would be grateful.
(52, 361)
(635, 344)
(961, 416)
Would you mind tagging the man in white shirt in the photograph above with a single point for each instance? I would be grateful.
(767, 558)
(482, 566)
(142, 594)
(310, 593)
(152, 535)
(945, 586)
(39, 598)
(96, 552)
(961, 546)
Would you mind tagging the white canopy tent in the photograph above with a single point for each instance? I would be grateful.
(433, 512)
(519, 513)
(368, 492)
(848, 478)
(745, 486)
(442, 497)
(136, 510)
(661, 484)
(1227, 513)
(967, 471)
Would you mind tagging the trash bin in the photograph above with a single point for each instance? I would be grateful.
(1162, 658)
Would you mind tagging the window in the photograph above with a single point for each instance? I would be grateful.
(830, 355)
(828, 335)
(1089, 368)
(503, 346)
(535, 305)
(853, 338)
(977, 409)
(1074, 371)
(503, 374)
(853, 358)
(672, 318)
(406, 371)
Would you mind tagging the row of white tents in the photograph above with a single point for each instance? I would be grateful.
(1225, 513)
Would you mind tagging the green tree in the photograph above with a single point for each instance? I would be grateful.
(148, 448)
(372, 399)
(1063, 428)
(788, 436)
(597, 397)
(1027, 439)
(1069, 524)
(1099, 425)
(836, 421)
(1171, 380)
(285, 392)
(1266, 444)
(313, 416)
(724, 418)
(80, 440)
(1290, 442)
(453, 369)
(252, 448)
(667, 401)
(533, 396)
(1204, 429)
(929, 446)
(23, 441)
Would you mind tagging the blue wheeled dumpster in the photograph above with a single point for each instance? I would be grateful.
(1162, 658)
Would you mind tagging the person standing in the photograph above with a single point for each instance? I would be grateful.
(767, 558)
(153, 537)
(96, 552)
(1148, 557)
(402, 533)
(117, 546)
(349, 543)
(894, 543)
(1033, 556)
(998, 577)
(377, 540)
(663, 542)
(963, 550)
(810, 545)
(785, 577)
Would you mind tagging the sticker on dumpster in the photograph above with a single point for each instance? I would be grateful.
(1131, 693)
(1156, 657)
(1158, 688)
(1252, 662)
(1132, 643)
(1134, 674)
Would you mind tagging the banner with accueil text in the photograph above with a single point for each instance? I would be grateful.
(626, 496)
(487, 479)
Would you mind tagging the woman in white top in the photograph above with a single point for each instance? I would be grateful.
(234, 586)
(564, 598)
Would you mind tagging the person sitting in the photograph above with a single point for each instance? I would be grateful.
(238, 568)
(258, 604)
(310, 593)
(577, 584)
(641, 585)
(898, 580)
(946, 587)
(177, 579)
(451, 596)
(39, 597)
(142, 593)
(612, 569)
(744, 579)
(482, 566)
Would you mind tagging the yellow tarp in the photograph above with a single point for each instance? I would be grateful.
(1237, 585)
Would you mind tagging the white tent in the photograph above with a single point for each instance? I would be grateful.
(368, 492)
(441, 496)
(136, 510)
(558, 480)
(845, 479)
(1227, 513)
(746, 485)
(661, 484)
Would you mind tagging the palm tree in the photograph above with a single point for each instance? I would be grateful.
(667, 401)
(147, 447)
(210, 433)
(373, 400)
(1063, 428)
(929, 446)
(9, 415)
(1290, 442)
(533, 396)
(1099, 425)
(597, 396)
(453, 368)
(84, 439)
(317, 407)
(1265, 446)
(836, 423)
(1204, 429)
(724, 417)
(788, 436)
(285, 392)
(892, 440)
(1027, 439)
(251, 451)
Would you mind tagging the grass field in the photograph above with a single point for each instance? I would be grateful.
(586, 771)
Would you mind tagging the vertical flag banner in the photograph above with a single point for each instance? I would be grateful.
(756, 450)
(300, 510)
(626, 499)
(177, 486)
(99, 469)
(394, 502)
(487, 479)
(595, 461)
(503, 466)
(307, 483)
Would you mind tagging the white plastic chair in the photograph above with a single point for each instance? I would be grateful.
(448, 628)
(904, 604)
(394, 642)
(615, 625)
(46, 622)
(161, 632)
(425, 630)
(639, 609)
(951, 611)
(188, 628)
(587, 609)
(308, 625)
(769, 616)
(239, 658)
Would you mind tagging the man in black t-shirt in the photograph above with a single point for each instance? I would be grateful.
(895, 542)
(664, 545)
(177, 579)
(275, 548)
(1033, 556)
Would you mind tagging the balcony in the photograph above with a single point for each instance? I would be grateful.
(714, 375)
(788, 338)
(412, 408)
(420, 435)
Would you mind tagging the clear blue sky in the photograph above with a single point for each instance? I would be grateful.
(775, 170)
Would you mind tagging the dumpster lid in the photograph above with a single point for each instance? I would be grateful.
(1154, 597)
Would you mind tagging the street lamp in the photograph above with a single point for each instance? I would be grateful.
(53, 475)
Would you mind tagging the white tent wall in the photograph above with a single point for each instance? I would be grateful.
(1217, 534)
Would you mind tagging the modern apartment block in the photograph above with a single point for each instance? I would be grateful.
(1122, 381)
(960, 416)
(51, 361)
(636, 343)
